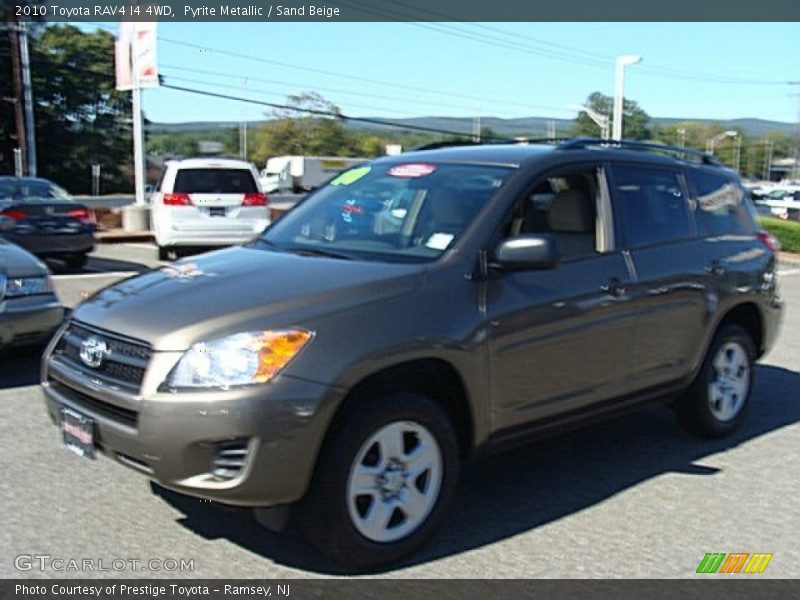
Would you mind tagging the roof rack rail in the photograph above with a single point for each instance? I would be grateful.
(519, 140)
(576, 143)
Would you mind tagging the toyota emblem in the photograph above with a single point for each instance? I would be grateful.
(93, 351)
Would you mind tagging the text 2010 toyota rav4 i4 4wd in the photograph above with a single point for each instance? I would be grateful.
(418, 309)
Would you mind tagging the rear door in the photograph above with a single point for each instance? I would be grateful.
(671, 293)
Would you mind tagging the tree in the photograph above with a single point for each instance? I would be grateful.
(80, 117)
(635, 122)
(298, 132)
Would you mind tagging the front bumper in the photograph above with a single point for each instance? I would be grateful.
(29, 320)
(174, 437)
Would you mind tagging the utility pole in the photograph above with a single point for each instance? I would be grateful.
(551, 129)
(27, 89)
(768, 160)
(796, 170)
(16, 74)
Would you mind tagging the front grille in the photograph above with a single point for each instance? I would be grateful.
(230, 459)
(123, 364)
(112, 412)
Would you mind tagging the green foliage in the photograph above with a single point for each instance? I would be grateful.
(635, 121)
(80, 118)
(303, 133)
(787, 232)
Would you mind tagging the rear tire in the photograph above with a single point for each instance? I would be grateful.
(384, 479)
(718, 400)
(167, 253)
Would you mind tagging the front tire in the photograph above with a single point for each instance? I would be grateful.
(718, 400)
(385, 477)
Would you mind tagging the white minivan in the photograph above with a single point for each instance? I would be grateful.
(207, 202)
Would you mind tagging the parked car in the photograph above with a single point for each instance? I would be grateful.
(505, 292)
(48, 222)
(29, 309)
(783, 203)
(207, 202)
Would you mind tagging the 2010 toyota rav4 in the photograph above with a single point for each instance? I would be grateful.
(416, 310)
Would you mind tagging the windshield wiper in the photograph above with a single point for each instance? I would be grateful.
(301, 250)
(314, 251)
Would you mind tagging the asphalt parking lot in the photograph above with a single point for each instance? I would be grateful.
(631, 498)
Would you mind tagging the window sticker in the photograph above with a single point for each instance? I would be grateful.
(439, 241)
(351, 176)
(411, 170)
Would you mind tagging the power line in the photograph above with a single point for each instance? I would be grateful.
(313, 111)
(264, 103)
(269, 93)
(393, 85)
(317, 87)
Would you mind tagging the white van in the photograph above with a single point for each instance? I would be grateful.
(207, 202)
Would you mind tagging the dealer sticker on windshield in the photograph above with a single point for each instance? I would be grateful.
(351, 176)
(412, 170)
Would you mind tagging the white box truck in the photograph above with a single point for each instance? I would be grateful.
(286, 174)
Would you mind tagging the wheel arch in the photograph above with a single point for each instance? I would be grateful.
(748, 316)
(434, 378)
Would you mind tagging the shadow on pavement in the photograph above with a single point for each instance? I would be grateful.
(19, 367)
(506, 494)
(96, 264)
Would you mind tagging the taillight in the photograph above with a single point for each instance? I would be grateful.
(177, 200)
(255, 199)
(769, 240)
(84, 215)
(13, 214)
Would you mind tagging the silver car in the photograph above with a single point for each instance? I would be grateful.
(29, 308)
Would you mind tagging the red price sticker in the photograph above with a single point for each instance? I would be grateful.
(412, 170)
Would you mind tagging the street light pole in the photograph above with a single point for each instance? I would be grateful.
(712, 142)
(601, 120)
(619, 90)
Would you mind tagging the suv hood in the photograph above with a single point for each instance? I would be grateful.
(239, 289)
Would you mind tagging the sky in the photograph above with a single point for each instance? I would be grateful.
(396, 70)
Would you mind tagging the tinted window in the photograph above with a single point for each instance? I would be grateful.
(389, 212)
(653, 205)
(720, 202)
(214, 181)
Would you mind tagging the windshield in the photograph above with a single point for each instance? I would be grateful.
(21, 190)
(393, 212)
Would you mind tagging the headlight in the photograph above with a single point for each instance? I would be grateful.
(28, 286)
(239, 359)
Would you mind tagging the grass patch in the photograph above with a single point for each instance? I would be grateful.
(787, 232)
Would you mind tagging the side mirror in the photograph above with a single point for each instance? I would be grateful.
(7, 224)
(527, 252)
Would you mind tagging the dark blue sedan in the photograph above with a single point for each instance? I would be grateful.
(47, 221)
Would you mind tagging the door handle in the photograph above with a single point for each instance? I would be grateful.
(614, 287)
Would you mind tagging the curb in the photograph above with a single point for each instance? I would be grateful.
(119, 236)
(788, 260)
